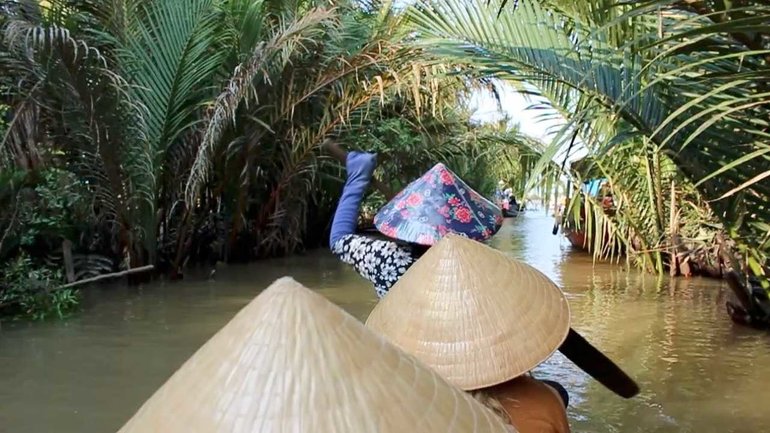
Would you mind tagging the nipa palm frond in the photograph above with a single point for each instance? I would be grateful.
(267, 58)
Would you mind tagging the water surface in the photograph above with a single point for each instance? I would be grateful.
(698, 372)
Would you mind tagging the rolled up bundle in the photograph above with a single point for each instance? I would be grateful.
(291, 361)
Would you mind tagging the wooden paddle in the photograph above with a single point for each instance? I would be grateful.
(556, 224)
(583, 354)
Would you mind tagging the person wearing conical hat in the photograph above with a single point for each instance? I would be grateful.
(436, 204)
(292, 362)
(483, 321)
(512, 203)
(506, 200)
(500, 193)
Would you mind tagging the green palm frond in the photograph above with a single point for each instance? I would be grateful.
(72, 78)
(688, 101)
(170, 53)
(173, 53)
(268, 59)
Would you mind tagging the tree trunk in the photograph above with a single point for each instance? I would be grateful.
(69, 265)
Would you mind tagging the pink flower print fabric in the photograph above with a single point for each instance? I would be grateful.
(438, 203)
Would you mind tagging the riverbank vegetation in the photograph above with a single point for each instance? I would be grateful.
(174, 133)
(670, 100)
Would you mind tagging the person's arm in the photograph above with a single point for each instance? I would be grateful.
(382, 262)
(359, 167)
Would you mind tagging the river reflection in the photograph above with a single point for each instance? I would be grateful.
(697, 371)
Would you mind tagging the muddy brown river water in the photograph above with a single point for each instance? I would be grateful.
(698, 372)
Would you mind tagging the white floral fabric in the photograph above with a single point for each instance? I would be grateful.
(379, 261)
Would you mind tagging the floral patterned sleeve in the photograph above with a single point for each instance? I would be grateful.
(379, 261)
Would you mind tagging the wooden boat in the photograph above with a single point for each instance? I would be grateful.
(513, 210)
(577, 236)
(579, 240)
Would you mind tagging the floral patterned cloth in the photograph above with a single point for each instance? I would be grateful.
(380, 261)
(438, 203)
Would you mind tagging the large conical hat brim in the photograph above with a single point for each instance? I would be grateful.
(476, 316)
(437, 203)
(291, 361)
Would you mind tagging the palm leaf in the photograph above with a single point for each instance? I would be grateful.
(277, 50)
(167, 55)
(532, 45)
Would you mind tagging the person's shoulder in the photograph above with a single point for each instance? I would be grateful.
(532, 405)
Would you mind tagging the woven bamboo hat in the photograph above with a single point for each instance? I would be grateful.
(293, 362)
(476, 316)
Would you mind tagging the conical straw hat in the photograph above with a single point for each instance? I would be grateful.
(293, 362)
(437, 203)
(476, 316)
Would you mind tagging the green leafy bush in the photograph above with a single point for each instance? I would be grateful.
(3, 123)
(29, 289)
(58, 210)
(39, 211)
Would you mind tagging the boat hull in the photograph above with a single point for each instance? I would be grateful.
(577, 238)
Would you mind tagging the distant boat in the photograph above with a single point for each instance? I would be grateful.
(577, 237)
(512, 211)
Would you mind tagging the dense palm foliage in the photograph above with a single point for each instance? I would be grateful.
(658, 217)
(644, 84)
(190, 130)
(481, 154)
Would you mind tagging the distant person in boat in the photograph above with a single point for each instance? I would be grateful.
(499, 196)
(437, 203)
(506, 199)
(513, 204)
(499, 190)
(606, 194)
(483, 321)
(607, 201)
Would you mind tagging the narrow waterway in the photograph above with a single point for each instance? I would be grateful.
(698, 372)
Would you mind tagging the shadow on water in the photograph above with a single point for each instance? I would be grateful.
(698, 372)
